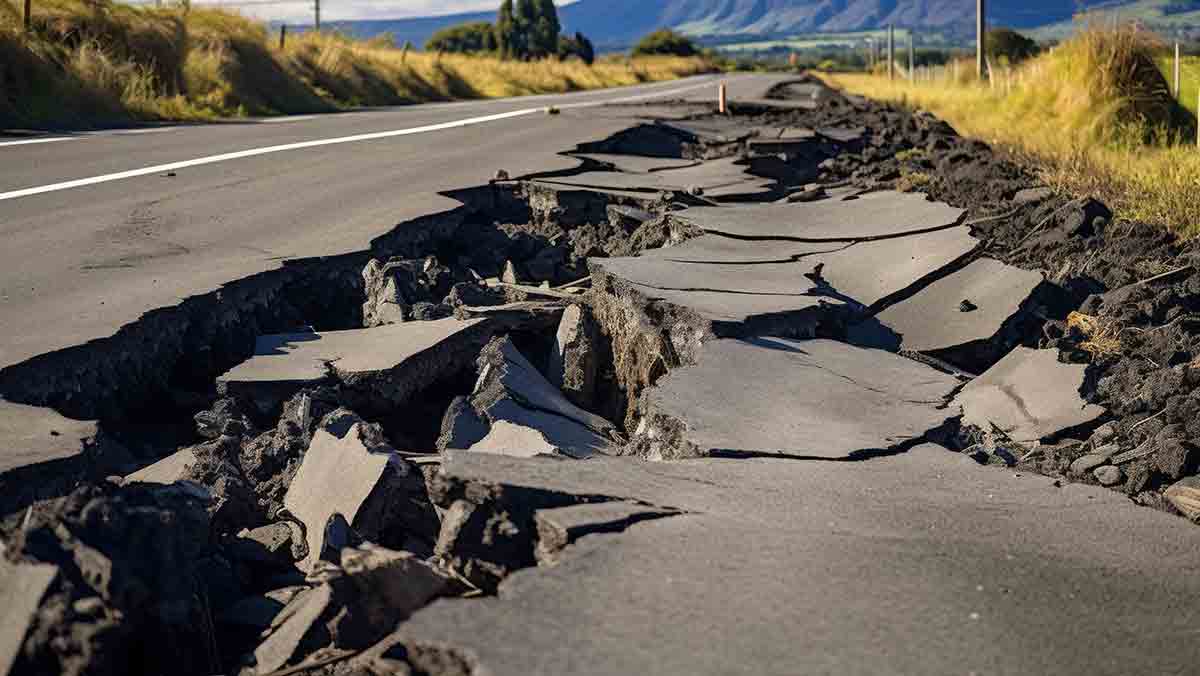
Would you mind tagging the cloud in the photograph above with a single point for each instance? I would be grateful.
(334, 10)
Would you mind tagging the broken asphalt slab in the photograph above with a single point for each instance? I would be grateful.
(723, 178)
(732, 280)
(916, 563)
(394, 360)
(874, 215)
(810, 399)
(966, 307)
(1030, 395)
(22, 586)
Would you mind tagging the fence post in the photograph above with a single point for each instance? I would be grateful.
(28, 16)
(282, 36)
(891, 52)
(912, 59)
(1177, 78)
(317, 15)
(980, 29)
(723, 99)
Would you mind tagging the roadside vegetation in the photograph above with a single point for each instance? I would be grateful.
(1096, 112)
(92, 62)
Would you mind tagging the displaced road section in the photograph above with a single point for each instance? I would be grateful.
(815, 387)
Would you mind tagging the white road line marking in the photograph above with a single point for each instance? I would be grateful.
(290, 118)
(135, 132)
(31, 141)
(267, 150)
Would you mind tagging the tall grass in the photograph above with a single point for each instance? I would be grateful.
(1096, 112)
(94, 62)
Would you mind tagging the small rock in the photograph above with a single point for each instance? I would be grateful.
(1174, 458)
(967, 306)
(225, 419)
(509, 275)
(1104, 434)
(1087, 463)
(1030, 195)
(1108, 475)
(501, 175)
(573, 359)
(1184, 495)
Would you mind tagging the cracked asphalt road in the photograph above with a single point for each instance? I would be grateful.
(78, 264)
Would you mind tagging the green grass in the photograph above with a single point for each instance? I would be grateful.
(1190, 76)
(93, 62)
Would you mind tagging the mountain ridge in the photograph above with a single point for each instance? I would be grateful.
(619, 23)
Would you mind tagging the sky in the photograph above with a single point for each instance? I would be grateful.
(333, 10)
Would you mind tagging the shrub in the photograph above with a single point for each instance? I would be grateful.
(665, 41)
(468, 38)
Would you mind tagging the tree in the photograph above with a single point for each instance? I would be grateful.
(578, 46)
(505, 30)
(466, 38)
(665, 41)
(524, 21)
(1006, 45)
(546, 29)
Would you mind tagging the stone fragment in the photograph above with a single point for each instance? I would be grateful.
(509, 275)
(22, 588)
(537, 417)
(1108, 475)
(353, 607)
(461, 426)
(1175, 457)
(573, 359)
(1104, 434)
(1031, 195)
(273, 545)
(352, 471)
(392, 288)
(1184, 495)
(225, 418)
(1029, 395)
(170, 469)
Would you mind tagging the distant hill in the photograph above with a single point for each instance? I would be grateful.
(619, 23)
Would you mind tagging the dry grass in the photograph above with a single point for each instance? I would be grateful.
(1101, 337)
(1097, 113)
(93, 61)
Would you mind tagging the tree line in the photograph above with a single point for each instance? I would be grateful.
(524, 30)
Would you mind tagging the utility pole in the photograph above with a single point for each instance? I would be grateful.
(912, 57)
(891, 54)
(980, 29)
(317, 15)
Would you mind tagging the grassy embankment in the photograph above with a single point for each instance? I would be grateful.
(98, 62)
(1096, 114)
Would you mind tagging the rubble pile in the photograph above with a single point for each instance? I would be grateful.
(883, 282)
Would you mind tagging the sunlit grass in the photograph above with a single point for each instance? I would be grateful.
(95, 62)
(1096, 112)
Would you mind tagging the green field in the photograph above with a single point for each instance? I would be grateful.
(817, 41)
(1190, 71)
(1155, 15)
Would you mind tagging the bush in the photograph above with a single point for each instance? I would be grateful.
(578, 46)
(1004, 45)
(665, 41)
(468, 38)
